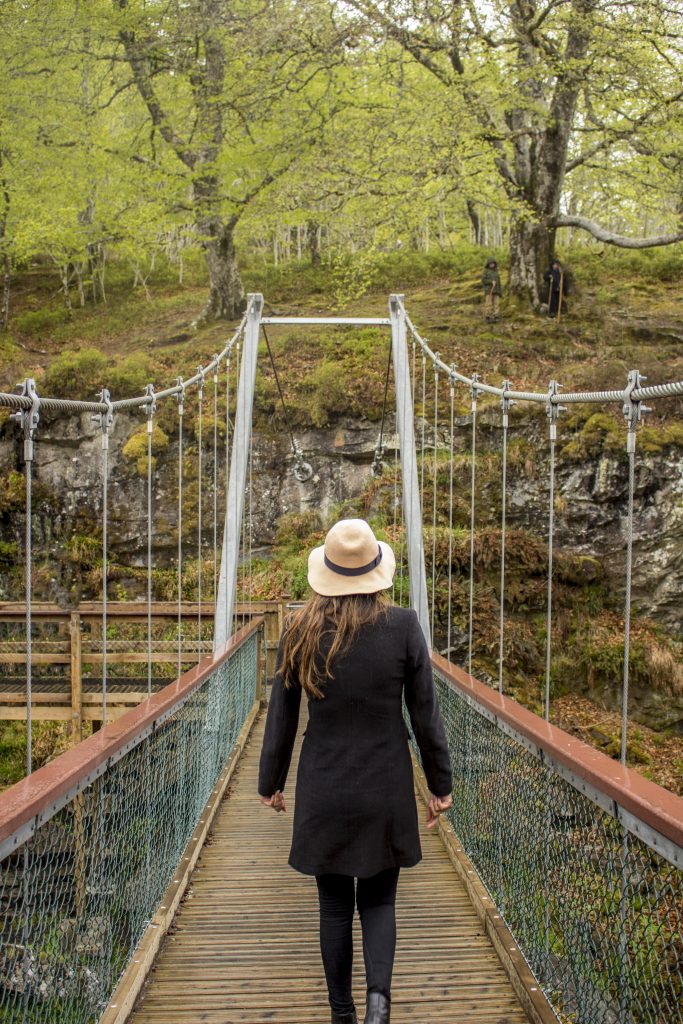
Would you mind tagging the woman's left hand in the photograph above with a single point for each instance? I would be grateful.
(276, 801)
(436, 805)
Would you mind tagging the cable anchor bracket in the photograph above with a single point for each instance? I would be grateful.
(180, 395)
(474, 390)
(28, 419)
(104, 419)
(303, 470)
(633, 408)
(506, 403)
(151, 407)
(553, 407)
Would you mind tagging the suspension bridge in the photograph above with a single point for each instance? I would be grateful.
(553, 890)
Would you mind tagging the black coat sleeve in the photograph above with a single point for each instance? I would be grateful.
(281, 727)
(425, 718)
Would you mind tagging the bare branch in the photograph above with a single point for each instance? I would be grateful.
(613, 239)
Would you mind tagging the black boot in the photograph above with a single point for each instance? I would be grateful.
(344, 1018)
(378, 1009)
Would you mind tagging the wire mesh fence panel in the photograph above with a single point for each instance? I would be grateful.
(597, 913)
(77, 896)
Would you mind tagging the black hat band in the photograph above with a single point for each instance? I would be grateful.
(360, 571)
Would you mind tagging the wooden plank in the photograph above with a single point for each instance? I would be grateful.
(244, 945)
(123, 998)
(39, 713)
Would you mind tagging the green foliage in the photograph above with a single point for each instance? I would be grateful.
(79, 374)
(40, 322)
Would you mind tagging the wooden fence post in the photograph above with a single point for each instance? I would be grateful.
(76, 679)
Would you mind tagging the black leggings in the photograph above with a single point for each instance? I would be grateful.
(376, 898)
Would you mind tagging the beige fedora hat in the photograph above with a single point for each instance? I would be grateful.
(351, 561)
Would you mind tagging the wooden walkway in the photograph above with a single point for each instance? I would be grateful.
(243, 948)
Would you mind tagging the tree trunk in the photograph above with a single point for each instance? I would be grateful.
(314, 243)
(475, 221)
(531, 249)
(226, 295)
(4, 305)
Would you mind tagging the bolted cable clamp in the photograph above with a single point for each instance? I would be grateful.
(28, 418)
(180, 396)
(151, 407)
(633, 408)
(201, 373)
(474, 390)
(105, 419)
(452, 379)
(553, 408)
(303, 470)
(506, 403)
(437, 356)
(215, 367)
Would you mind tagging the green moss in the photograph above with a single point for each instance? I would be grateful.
(599, 434)
(654, 439)
(135, 448)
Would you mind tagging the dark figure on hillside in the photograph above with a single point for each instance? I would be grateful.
(557, 282)
(490, 280)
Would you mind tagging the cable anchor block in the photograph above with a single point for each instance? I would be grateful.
(553, 407)
(105, 419)
(633, 408)
(506, 403)
(28, 419)
(303, 470)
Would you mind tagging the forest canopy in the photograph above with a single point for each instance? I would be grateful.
(133, 128)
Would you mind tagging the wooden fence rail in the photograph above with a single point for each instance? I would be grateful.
(72, 638)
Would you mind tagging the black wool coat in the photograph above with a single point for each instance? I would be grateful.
(355, 811)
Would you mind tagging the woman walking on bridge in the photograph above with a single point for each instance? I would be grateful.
(357, 657)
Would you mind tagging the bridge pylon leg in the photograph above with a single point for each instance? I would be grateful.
(412, 504)
(227, 583)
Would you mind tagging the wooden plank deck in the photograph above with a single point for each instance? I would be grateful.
(243, 948)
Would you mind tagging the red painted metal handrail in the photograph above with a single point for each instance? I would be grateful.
(35, 793)
(652, 804)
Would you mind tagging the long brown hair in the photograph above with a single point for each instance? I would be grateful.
(341, 617)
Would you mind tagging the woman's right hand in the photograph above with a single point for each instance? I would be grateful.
(436, 806)
(276, 801)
